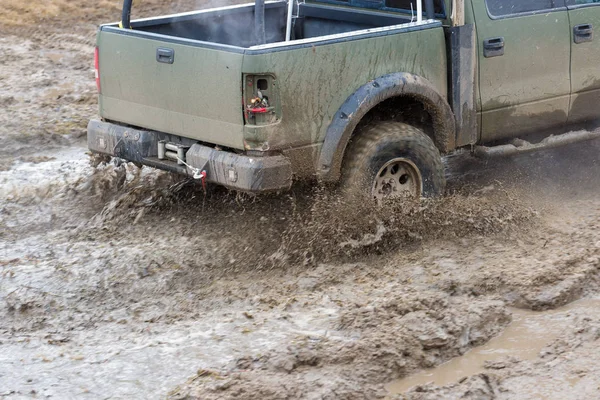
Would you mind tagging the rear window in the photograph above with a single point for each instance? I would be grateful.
(403, 6)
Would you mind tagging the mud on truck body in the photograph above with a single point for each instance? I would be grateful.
(371, 93)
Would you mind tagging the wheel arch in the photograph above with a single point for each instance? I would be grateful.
(369, 96)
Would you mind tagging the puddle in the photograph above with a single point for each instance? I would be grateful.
(524, 338)
(61, 166)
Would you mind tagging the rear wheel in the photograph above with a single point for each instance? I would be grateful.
(393, 160)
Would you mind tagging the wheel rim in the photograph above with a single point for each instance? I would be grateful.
(398, 178)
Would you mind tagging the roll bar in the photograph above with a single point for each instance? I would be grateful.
(259, 21)
(429, 10)
(126, 15)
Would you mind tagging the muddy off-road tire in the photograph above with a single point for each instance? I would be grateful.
(392, 159)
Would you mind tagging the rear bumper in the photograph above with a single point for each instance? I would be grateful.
(236, 171)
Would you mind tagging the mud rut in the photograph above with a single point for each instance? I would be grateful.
(124, 283)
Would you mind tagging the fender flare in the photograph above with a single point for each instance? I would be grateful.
(365, 99)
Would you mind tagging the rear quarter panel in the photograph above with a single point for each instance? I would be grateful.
(315, 80)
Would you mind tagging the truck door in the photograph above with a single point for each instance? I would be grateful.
(585, 60)
(524, 66)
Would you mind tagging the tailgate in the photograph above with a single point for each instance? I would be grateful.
(197, 95)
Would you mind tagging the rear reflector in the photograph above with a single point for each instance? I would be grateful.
(97, 67)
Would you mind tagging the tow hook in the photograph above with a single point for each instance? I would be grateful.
(200, 175)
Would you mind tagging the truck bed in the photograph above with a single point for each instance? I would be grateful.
(182, 74)
(233, 26)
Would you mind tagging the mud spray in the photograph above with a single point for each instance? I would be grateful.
(305, 227)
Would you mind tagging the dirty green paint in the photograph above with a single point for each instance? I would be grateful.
(585, 66)
(528, 88)
(198, 96)
(314, 82)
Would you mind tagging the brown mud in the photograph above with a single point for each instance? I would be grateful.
(528, 334)
(117, 282)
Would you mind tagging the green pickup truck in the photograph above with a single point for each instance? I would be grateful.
(369, 93)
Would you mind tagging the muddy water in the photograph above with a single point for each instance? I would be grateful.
(523, 339)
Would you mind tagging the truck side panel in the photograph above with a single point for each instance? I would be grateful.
(584, 15)
(316, 80)
(524, 71)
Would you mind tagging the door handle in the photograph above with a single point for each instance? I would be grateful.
(583, 33)
(493, 47)
(166, 56)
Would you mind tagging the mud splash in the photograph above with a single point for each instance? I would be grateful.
(304, 227)
(528, 334)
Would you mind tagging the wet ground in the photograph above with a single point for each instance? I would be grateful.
(124, 283)
(522, 340)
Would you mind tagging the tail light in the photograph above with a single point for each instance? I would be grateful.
(97, 67)
(260, 100)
